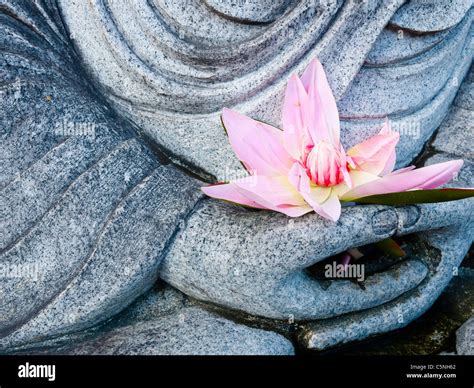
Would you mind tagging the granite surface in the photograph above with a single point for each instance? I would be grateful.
(465, 338)
(100, 103)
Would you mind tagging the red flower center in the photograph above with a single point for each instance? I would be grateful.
(324, 165)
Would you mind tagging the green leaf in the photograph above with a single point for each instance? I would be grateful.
(416, 196)
(390, 247)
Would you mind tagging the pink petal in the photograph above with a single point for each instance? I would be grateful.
(345, 171)
(438, 174)
(324, 117)
(233, 193)
(390, 165)
(405, 169)
(428, 177)
(294, 118)
(270, 191)
(377, 154)
(261, 192)
(229, 192)
(323, 200)
(258, 145)
(331, 208)
(294, 211)
(358, 178)
(274, 193)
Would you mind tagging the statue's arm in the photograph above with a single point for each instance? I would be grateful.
(87, 209)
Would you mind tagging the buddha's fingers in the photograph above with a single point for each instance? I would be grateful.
(254, 260)
(305, 298)
(362, 225)
(321, 334)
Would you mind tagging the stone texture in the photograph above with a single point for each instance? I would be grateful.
(432, 333)
(465, 97)
(255, 261)
(190, 331)
(465, 338)
(456, 134)
(90, 205)
(412, 83)
(398, 313)
(465, 177)
(430, 15)
(449, 245)
(147, 81)
(415, 93)
(253, 11)
(159, 301)
(87, 209)
(396, 45)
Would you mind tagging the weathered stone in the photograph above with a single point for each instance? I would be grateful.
(255, 261)
(87, 209)
(159, 301)
(400, 60)
(433, 332)
(414, 111)
(95, 211)
(465, 337)
(253, 11)
(324, 334)
(412, 83)
(456, 134)
(465, 178)
(465, 96)
(396, 45)
(249, 74)
(189, 331)
(431, 15)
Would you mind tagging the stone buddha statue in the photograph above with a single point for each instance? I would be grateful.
(110, 123)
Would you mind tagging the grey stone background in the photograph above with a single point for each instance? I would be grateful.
(110, 124)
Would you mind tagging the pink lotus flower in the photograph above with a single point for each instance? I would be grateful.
(304, 167)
